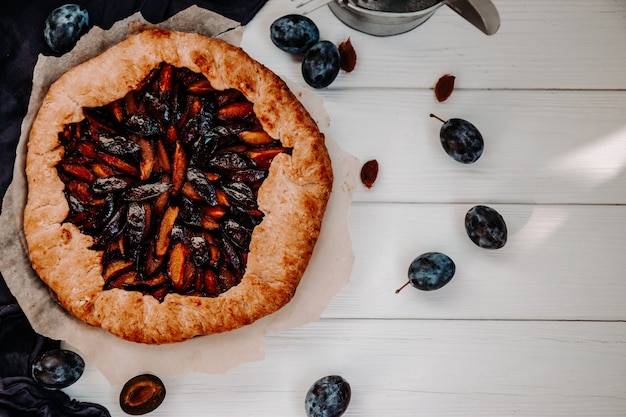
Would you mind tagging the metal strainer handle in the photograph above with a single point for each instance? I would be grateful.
(480, 13)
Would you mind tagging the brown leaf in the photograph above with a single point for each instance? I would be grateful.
(444, 87)
(369, 173)
(347, 56)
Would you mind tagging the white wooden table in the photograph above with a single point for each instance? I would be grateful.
(534, 329)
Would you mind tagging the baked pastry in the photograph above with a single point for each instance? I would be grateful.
(176, 187)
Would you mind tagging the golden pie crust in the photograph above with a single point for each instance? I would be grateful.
(293, 197)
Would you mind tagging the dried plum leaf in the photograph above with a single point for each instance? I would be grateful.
(444, 87)
(347, 56)
(369, 173)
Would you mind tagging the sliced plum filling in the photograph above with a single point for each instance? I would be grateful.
(165, 180)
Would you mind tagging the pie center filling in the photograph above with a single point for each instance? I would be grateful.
(165, 180)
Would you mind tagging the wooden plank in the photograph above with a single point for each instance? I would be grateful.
(564, 44)
(540, 146)
(414, 368)
(560, 262)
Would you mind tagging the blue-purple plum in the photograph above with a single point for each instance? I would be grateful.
(294, 33)
(64, 26)
(321, 65)
(430, 271)
(58, 368)
(486, 227)
(461, 140)
(329, 396)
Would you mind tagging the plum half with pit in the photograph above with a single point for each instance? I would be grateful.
(64, 26)
(142, 394)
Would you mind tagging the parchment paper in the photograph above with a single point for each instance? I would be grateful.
(118, 359)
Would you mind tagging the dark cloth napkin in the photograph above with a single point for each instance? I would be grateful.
(21, 41)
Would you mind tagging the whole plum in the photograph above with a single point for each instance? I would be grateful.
(58, 368)
(430, 271)
(485, 227)
(294, 33)
(64, 26)
(461, 140)
(321, 64)
(329, 396)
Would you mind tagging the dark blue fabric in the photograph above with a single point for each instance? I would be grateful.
(21, 41)
(20, 395)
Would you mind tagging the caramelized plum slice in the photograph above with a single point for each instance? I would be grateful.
(239, 193)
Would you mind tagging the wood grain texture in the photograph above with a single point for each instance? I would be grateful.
(540, 146)
(561, 262)
(414, 368)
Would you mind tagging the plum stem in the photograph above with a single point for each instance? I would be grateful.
(402, 287)
(437, 117)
